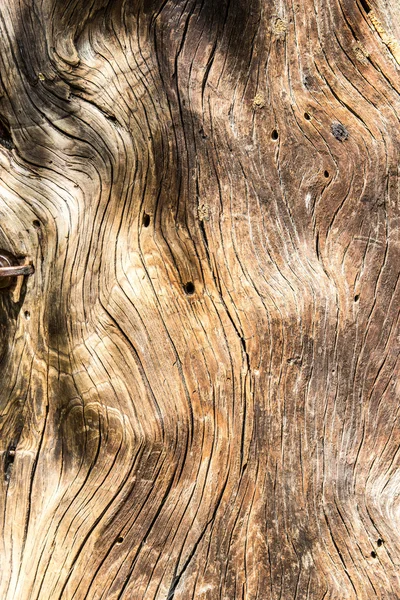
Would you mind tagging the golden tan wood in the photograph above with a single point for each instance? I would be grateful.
(200, 381)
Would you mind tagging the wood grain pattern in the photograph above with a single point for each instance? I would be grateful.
(199, 382)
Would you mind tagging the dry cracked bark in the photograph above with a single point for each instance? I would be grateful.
(199, 383)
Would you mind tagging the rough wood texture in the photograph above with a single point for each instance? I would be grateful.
(200, 380)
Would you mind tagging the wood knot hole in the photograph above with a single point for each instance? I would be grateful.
(9, 461)
(339, 132)
(5, 134)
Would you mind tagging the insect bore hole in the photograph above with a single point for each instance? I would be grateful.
(307, 116)
(274, 135)
(146, 220)
(356, 297)
(373, 554)
(36, 224)
(189, 288)
(120, 540)
(27, 315)
(326, 174)
(379, 542)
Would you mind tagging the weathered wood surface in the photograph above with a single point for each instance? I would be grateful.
(199, 383)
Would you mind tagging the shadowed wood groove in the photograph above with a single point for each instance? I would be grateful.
(199, 368)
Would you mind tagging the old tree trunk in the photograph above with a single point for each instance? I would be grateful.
(199, 393)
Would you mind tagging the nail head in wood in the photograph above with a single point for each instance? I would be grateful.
(8, 270)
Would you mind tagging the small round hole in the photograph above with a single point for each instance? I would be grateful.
(326, 174)
(120, 540)
(274, 135)
(307, 117)
(373, 554)
(379, 542)
(36, 223)
(189, 288)
(356, 297)
(27, 315)
(146, 220)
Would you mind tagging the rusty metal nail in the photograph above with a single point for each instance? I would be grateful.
(9, 270)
